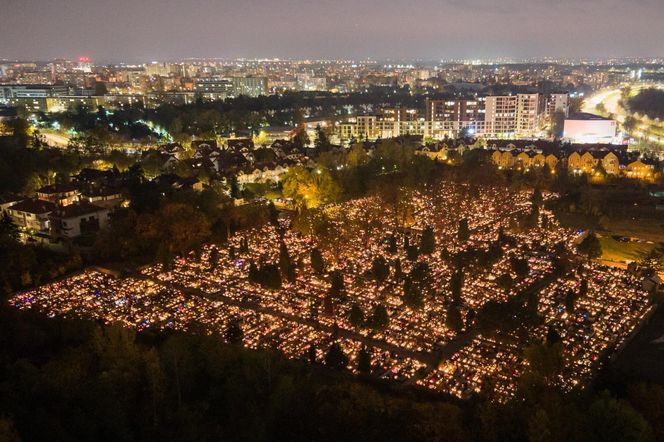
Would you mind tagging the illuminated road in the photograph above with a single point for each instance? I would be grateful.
(611, 98)
(55, 140)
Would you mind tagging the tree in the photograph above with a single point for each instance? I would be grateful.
(537, 198)
(453, 320)
(285, 264)
(337, 285)
(335, 357)
(520, 266)
(356, 316)
(545, 362)
(253, 272)
(20, 129)
(590, 246)
(557, 124)
(310, 189)
(379, 318)
(539, 427)
(364, 361)
(412, 252)
(600, 108)
(552, 336)
(629, 124)
(214, 258)
(611, 420)
(648, 400)
(273, 213)
(398, 272)
(392, 244)
(301, 138)
(8, 230)
(152, 165)
(428, 241)
(269, 277)
(322, 141)
(570, 301)
(412, 294)
(311, 354)
(463, 233)
(456, 286)
(234, 333)
(317, 262)
(176, 227)
(648, 102)
(380, 270)
(100, 88)
(392, 155)
(421, 274)
(357, 156)
(7, 431)
(505, 282)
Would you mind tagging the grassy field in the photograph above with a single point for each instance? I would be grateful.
(649, 229)
(619, 251)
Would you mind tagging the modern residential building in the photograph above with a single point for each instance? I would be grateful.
(32, 215)
(106, 198)
(8, 200)
(16, 91)
(308, 82)
(74, 220)
(390, 123)
(60, 194)
(451, 117)
(249, 86)
(163, 69)
(454, 110)
(528, 113)
(210, 89)
(32, 97)
(513, 115)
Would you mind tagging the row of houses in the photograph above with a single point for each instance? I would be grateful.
(577, 162)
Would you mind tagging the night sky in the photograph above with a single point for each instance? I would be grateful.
(144, 30)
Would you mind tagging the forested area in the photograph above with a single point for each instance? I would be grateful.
(68, 379)
(648, 102)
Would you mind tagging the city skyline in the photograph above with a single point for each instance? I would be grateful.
(129, 32)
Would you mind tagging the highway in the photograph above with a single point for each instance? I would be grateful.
(611, 98)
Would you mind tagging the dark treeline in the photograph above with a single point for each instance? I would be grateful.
(648, 102)
(69, 379)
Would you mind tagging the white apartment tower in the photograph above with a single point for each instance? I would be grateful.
(509, 115)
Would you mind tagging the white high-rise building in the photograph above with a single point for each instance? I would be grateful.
(528, 112)
(510, 115)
